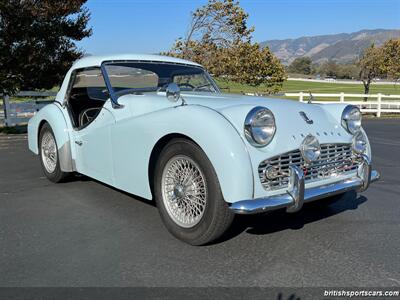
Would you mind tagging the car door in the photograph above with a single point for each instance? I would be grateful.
(91, 117)
(93, 147)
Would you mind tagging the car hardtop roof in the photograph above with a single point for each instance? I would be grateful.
(97, 60)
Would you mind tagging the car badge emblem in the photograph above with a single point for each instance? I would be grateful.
(305, 117)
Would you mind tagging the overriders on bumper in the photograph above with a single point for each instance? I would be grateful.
(297, 194)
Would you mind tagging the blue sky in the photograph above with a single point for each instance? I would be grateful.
(151, 26)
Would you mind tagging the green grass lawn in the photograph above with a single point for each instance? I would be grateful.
(292, 86)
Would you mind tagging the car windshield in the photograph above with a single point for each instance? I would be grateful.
(141, 77)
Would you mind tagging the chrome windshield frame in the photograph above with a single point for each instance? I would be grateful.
(114, 96)
(213, 83)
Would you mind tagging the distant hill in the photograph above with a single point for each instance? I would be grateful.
(342, 47)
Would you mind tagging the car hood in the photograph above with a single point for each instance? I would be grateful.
(291, 126)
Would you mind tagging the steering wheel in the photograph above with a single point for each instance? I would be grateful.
(88, 115)
(202, 86)
(187, 84)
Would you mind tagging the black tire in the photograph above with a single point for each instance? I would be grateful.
(216, 218)
(57, 175)
(323, 203)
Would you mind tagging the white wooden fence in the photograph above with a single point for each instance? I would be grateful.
(18, 112)
(376, 103)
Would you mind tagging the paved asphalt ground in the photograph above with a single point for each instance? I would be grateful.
(84, 233)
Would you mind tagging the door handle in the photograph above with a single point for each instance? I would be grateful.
(79, 143)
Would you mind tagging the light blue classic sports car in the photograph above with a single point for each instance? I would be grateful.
(159, 127)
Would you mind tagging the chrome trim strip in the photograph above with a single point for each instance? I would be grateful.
(65, 152)
(296, 195)
(65, 157)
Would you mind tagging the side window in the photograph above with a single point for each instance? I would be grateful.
(87, 96)
(91, 80)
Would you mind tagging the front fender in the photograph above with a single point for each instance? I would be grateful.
(53, 115)
(335, 110)
(134, 139)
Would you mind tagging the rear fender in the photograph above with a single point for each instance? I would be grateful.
(61, 126)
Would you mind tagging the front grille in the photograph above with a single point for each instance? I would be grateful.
(335, 160)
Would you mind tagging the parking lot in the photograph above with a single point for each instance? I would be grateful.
(85, 233)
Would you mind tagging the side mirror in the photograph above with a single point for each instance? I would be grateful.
(173, 92)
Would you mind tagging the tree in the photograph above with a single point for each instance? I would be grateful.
(219, 22)
(219, 39)
(391, 59)
(329, 68)
(370, 65)
(347, 71)
(254, 66)
(37, 41)
(340, 71)
(301, 65)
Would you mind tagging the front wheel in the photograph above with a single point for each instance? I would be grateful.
(49, 157)
(188, 194)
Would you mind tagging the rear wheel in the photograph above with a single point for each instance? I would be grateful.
(188, 194)
(49, 157)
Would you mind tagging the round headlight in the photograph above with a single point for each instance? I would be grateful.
(259, 126)
(310, 148)
(351, 119)
(359, 142)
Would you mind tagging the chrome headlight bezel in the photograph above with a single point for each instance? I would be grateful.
(359, 143)
(310, 149)
(256, 134)
(351, 119)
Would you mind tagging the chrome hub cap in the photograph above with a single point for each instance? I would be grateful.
(184, 191)
(179, 191)
(49, 152)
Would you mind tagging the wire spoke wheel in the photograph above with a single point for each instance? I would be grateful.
(49, 152)
(188, 194)
(184, 191)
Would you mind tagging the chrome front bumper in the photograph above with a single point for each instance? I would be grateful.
(297, 194)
